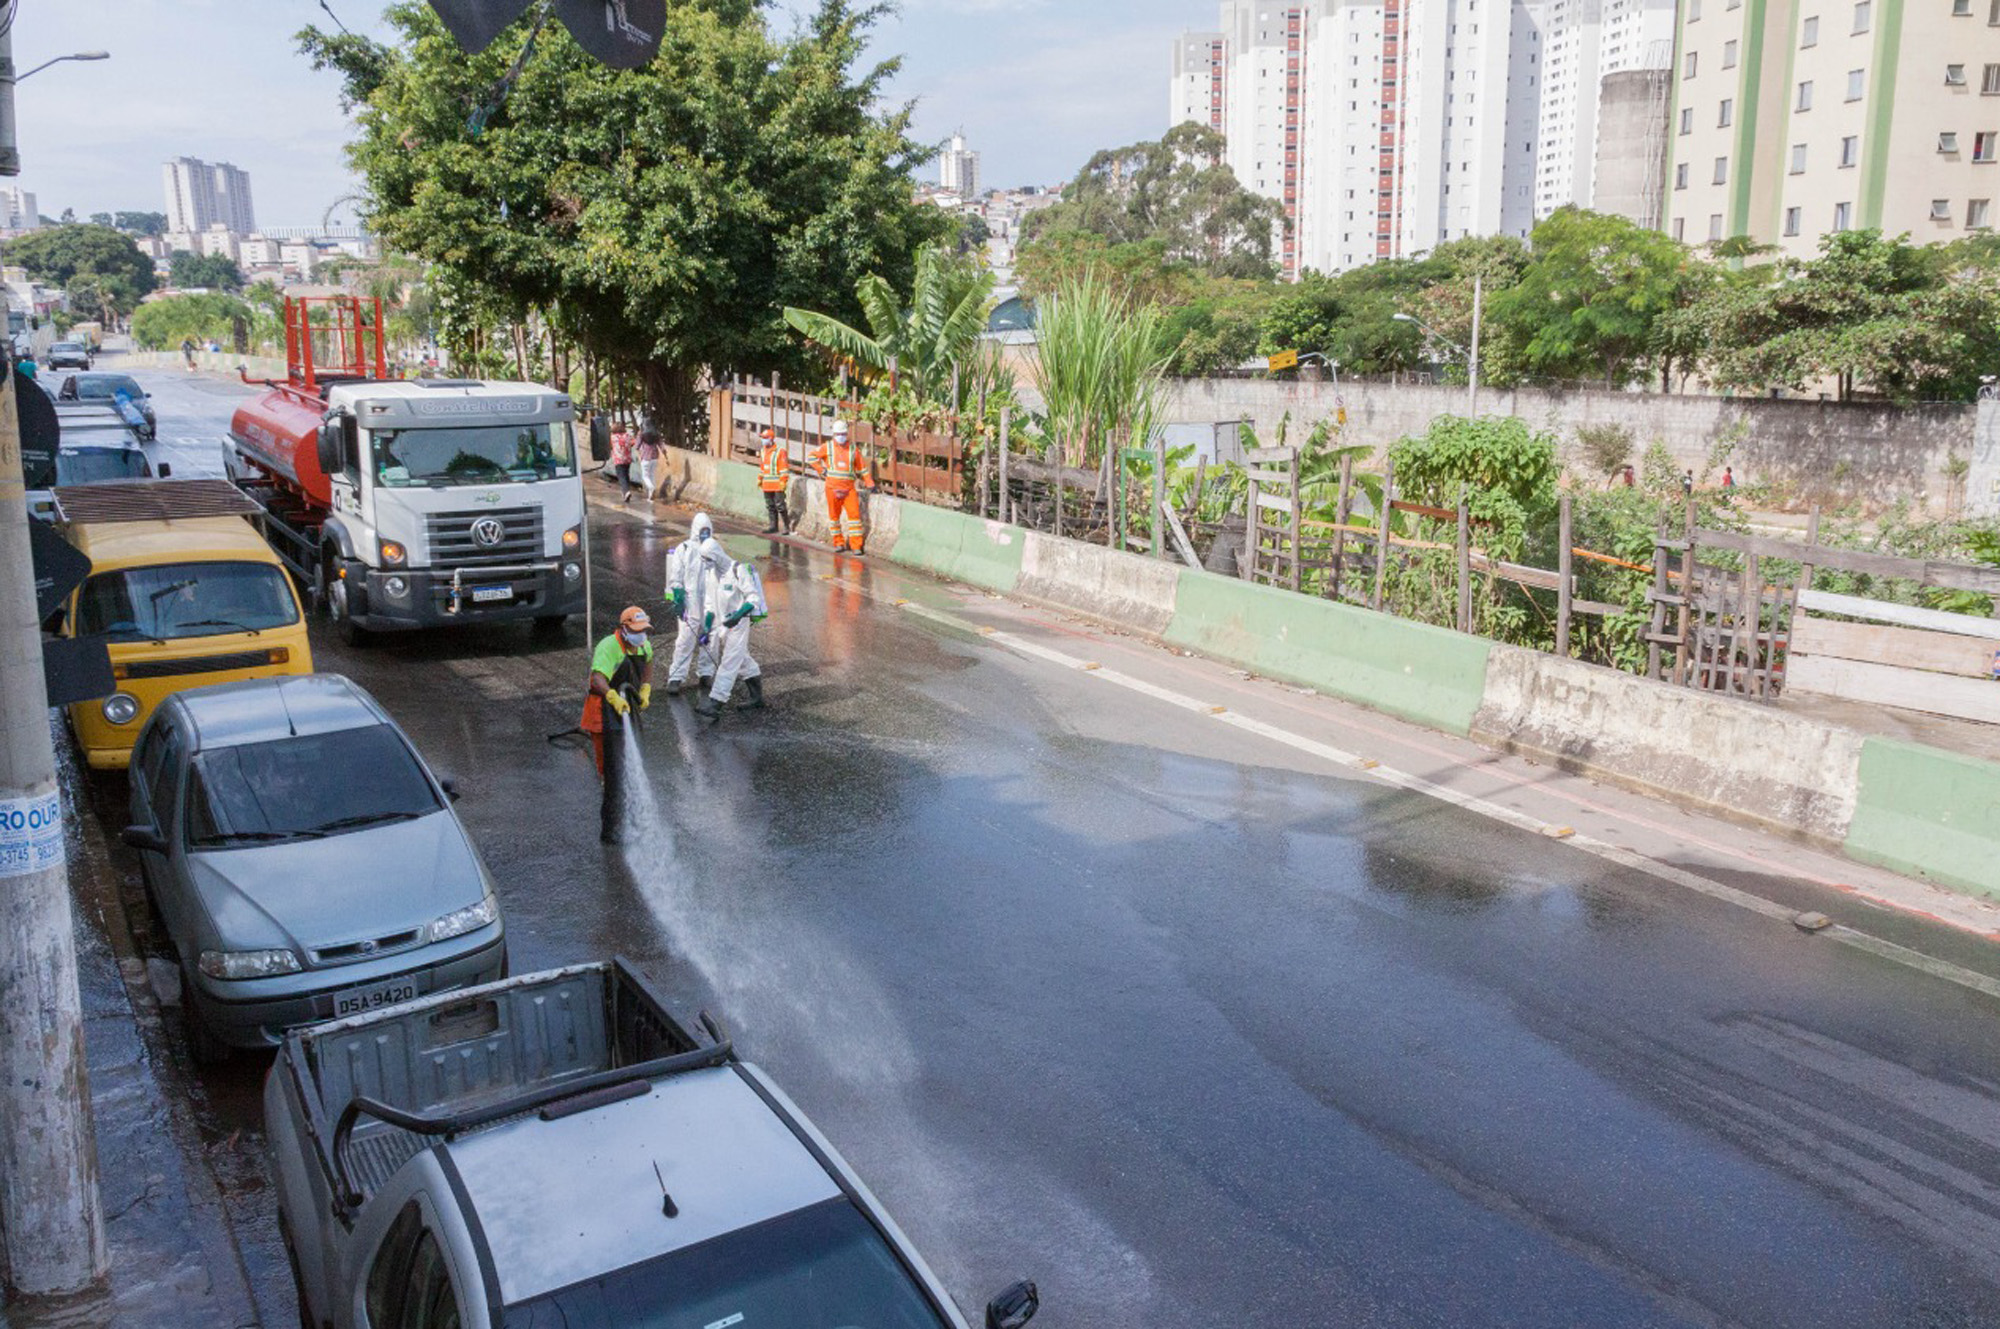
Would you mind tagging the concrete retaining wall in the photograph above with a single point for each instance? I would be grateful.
(220, 362)
(1730, 756)
(1906, 807)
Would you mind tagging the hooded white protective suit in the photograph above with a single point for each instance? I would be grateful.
(694, 570)
(739, 603)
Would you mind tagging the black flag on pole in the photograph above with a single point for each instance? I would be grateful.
(623, 34)
(475, 23)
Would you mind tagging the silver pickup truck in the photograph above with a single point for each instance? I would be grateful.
(555, 1150)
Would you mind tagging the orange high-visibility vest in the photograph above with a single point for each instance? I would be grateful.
(843, 463)
(774, 468)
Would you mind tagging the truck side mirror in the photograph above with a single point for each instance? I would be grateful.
(329, 447)
(1014, 1307)
(166, 469)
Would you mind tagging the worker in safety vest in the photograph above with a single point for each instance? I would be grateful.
(738, 599)
(774, 476)
(847, 472)
(692, 568)
(621, 677)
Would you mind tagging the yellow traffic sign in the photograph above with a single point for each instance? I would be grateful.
(1284, 360)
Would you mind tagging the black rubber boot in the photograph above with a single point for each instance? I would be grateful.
(707, 708)
(785, 522)
(753, 694)
(772, 507)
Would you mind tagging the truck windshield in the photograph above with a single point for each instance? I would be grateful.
(90, 466)
(166, 601)
(822, 1267)
(474, 455)
(312, 785)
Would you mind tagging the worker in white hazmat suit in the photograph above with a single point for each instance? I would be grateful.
(738, 602)
(693, 567)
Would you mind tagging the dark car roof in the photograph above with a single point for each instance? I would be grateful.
(257, 710)
(105, 376)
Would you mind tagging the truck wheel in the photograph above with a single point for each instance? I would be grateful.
(333, 592)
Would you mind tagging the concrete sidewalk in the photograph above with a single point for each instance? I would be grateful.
(174, 1260)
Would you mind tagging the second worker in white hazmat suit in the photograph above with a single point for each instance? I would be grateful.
(693, 568)
(739, 602)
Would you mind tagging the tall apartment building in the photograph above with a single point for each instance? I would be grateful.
(1794, 118)
(1201, 66)
(1584, 43)
(200, 194)
(17, 210)
(958, 168)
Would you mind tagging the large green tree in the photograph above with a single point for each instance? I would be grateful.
(1176, 190)
(59, 255)
(1587, 302)
(217, 271)
(662, 218)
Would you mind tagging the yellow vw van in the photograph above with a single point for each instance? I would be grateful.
(180, 602)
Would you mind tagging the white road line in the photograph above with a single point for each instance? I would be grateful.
(1350, 761)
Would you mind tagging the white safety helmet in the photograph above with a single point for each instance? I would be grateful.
(840, 430)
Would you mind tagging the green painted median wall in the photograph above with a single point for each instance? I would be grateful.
(1430, 675)
(736, 489)
(1930, 814)
(980, 553)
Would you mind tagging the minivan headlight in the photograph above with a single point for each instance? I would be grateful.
(248, 964)
(121, 708)
(468, 919)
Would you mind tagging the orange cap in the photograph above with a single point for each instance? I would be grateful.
(634, 619)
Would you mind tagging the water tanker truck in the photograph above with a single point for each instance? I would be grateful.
(410, 503)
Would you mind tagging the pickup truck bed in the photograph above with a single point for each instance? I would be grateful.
(380, 1087)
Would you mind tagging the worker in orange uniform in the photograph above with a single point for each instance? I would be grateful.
(848, 474)
(621, 678)
(774, 476)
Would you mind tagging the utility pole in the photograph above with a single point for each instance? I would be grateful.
(52, 1223)
(10, 151)
(1472, 361)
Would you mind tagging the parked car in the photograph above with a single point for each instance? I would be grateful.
(95, 456)
(307, 863)
(69, 355)
(556, 1151)
(179, 598)
(122, 391)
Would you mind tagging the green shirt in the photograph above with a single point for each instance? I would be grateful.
(611, 655)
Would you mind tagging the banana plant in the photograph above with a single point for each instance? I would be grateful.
(949, 304)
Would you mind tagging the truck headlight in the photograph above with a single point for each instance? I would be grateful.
(121, 708)
(396, 588)
(468, 919)
(248, 964)
(572, 537)
(572, 572)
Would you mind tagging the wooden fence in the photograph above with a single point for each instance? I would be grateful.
(927, 467)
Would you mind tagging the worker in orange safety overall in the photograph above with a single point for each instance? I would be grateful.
(621, 678)
(848, 474)
(774, 476)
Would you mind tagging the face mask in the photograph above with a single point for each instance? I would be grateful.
(633, 639)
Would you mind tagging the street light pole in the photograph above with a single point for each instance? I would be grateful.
(51, 1220)
(10, 152)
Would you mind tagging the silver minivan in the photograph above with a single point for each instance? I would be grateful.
(306, 862)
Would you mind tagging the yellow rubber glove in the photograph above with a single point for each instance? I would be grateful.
(645, 695)
(616, 701)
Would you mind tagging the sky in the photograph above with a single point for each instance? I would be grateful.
(1036, 85)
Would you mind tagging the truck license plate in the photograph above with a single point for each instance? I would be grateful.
(359, 1001)
(484, 594)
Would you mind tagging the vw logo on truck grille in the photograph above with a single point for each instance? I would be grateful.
(488, 531)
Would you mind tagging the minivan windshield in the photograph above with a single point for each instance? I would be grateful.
(821, 1267)
(307, 786)
(93, 466)
(166, 601)
(472, 455)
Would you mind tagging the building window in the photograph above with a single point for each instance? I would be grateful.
(1689, 64)
(1725, 113)
(1694, 10)
(1843, 216)
(1680, 228)
(1850, 150)
(1989, 79)
(1681, 175)
(1715, 226)
(1993, 14)
(1983, 146)
(1954, 75)
(1792, 220)
(1961, 8)
(1804, 102)
(1857, 82)
(1809, 31)
(1975, 214)
(1687, 119)
(1941, 209)
(1948, 141)
(1798, 159)
(1722, 170)
(1729, 55)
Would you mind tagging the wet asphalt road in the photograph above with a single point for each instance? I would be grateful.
(1094, 996)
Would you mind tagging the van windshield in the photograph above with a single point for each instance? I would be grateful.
(167, 601)
(92, 466)
(475, 455)
(820, 1267)
(312, 785)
